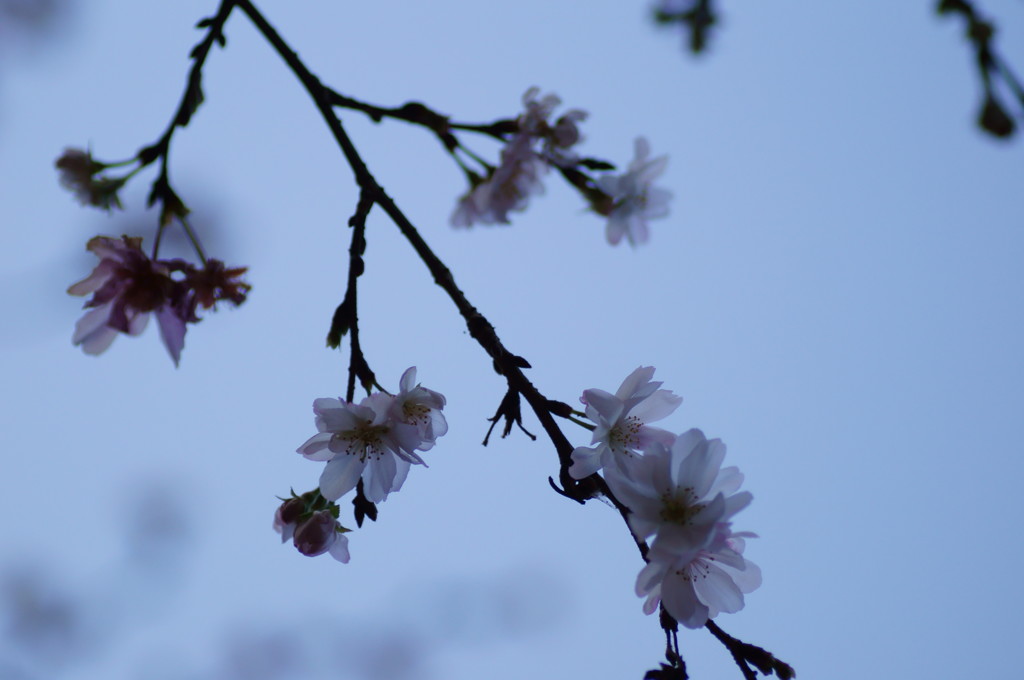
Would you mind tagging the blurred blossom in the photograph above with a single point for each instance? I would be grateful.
(80, 173)
(524, 159)
(31, 20)
(45, 623)
(633, 198)
(158, 525)
(127, 285)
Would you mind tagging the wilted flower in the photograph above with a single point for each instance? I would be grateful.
(127, 286)
(78, 173)
(621, 423)
(632, 200)
(215, 282)
(685, 499)
(375, 440)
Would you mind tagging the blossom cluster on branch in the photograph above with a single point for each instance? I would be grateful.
(536, 144)
(672, 491)
(677, 492)
(371, 445)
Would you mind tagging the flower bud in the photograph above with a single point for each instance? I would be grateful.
(316, 535)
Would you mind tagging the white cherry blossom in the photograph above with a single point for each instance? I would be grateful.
(621, 423)
(699, 585)
(376, 440)
(420, 407)
(685, 499)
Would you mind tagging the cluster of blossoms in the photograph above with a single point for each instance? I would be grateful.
(678, 493)
(127, 286)
(374, 442)
(535, 145)
(628, 200)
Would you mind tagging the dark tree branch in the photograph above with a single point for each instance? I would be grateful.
(507, 364)
(172, 205)
(746, 654)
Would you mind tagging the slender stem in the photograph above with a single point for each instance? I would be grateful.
(188, 103)
(420, 114)
(156, 241)
(355, 268)
(193, 239)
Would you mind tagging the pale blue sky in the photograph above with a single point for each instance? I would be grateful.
(837, 294)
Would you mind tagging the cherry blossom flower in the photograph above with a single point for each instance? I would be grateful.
(420, 407)
(685, 499)
(633, 199)
(313, 532)
(524, 159)
(127, 286)
(375, 440)
(621, 423)
(699, 585)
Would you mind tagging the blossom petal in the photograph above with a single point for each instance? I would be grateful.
(737, 502)
(340, 476)
(172, 331)
(655, 407)
(333, 415)
(375, 482)
(608, 406)
(91, 323)
(748, 579)
(718, 591)
(317, 447)
(408, 380)
(649, 577)
(679, 598)
(638, 384)
(339, 549)
(586, 461)
(97, 278)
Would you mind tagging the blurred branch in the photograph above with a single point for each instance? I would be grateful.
(993, 117)
(699, 16)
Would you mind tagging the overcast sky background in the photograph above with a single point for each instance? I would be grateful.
(837, 294)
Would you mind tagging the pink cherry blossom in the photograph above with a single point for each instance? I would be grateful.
(127, 286)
